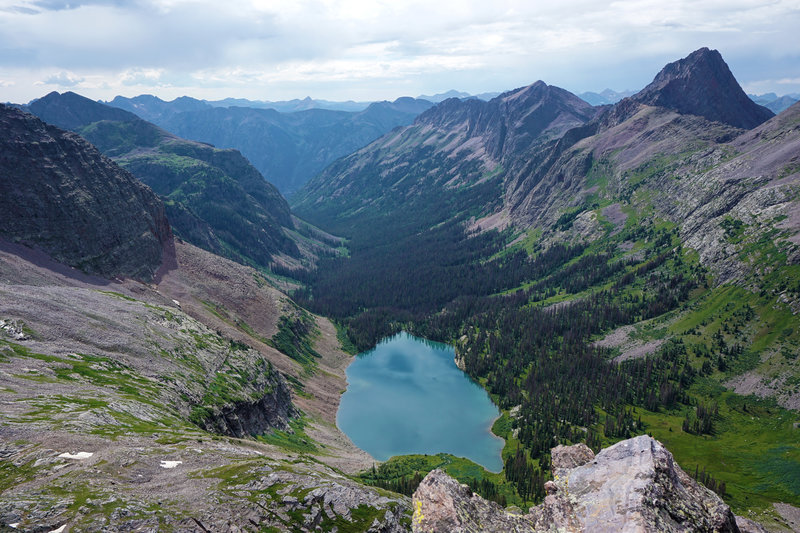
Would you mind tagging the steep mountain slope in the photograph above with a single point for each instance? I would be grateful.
(287, 148)
(59, 193)
(638, 158)
(450, 162)
(214, 198)
(127, 410)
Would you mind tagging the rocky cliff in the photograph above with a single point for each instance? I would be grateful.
(59, 193)
(632, 486)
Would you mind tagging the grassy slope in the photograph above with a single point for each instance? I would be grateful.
(754, 448)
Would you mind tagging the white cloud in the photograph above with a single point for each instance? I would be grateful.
(63, 79)
(141, 76)
(382, 47)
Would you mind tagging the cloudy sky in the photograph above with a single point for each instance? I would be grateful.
(380, 49)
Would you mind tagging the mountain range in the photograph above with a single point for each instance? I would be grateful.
(515, 139)
(287, 148)
(605, 97)
(602, 271)
(775, 103)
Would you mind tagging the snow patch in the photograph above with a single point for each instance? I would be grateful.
(79, 455)
(170, 464)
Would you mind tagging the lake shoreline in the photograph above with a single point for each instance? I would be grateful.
(408, 397)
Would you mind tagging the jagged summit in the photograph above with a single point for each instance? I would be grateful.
(702, 84)
(513, 120)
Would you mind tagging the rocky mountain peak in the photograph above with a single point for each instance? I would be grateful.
(702, 84)
(633, 486)
(514, 120)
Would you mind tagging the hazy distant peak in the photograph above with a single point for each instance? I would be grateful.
(441, 97)
(404, 104)
(773, 102)
(71, 110)
(605, 97)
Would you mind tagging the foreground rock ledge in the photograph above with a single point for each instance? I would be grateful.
(634, 485)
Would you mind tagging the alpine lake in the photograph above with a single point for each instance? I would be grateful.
(407, 396)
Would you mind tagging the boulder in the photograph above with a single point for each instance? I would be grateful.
(632, 486)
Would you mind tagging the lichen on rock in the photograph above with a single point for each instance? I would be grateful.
(632, 486)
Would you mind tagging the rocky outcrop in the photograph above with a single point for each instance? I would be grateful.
(60, 194)
(245, 418)
(442, 504)
(632, 486)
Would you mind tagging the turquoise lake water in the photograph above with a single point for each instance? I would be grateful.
(407, 396)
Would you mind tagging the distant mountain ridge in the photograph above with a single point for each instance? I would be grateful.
(287, 148)
(461, 95)
(290, 106)
(605, 97)
(62, 195)
(187, 103)
(522, 158)
(775, 103)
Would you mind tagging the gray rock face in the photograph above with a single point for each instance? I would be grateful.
(702, 84)
(442, 504)
(565, 458)
(59, 193)
(633, 486)
(636, 485)
(244, 418)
